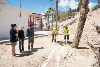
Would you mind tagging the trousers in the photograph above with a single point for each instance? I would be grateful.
(53, 37)
(30, 41)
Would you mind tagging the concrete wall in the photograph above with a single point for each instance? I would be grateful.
(11, 15)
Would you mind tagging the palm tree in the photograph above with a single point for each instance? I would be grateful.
(82, 19)
(46, 18)
(54, 18)
(56, 11)
(52, 11)
(47, 15)
(79, 5)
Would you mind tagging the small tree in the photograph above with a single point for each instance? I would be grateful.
(95, 8)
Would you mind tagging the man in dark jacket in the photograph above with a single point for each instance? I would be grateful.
(30, 35)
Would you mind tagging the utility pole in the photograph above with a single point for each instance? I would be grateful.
(20, 8)
(56, 12)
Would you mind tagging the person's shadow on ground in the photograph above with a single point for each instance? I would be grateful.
(28, 53)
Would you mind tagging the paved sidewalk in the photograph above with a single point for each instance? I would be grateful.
(36, 34)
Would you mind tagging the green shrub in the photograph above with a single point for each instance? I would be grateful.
(95, 8)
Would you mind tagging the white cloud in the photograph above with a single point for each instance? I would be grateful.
(63, 3)
(91, 5)
(72, 4)
(64, 9)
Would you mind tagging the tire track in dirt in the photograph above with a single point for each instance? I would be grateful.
(59, 58)
(54, 61)
(46, 63)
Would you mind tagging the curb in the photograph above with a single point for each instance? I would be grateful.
(7, 41)
(1, 42)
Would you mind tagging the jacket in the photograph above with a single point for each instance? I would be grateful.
(66, 31)
(21, 34)
(55, 31)
(13, 37)
(30, 32)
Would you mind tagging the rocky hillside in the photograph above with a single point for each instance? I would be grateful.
(89, 29)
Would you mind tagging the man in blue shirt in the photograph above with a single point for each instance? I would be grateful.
(30, 35)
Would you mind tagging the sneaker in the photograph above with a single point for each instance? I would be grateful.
(65, 42)
(68, 41)
(55, 40)
(20, 51)
(52, 40)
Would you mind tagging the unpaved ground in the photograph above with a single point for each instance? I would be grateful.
(48, 54)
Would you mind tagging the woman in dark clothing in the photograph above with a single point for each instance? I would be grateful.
(13, 39)
(21, 38)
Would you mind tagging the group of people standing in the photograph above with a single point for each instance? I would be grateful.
(19, 36)
(65, 31)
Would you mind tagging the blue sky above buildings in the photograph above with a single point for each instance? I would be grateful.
(40, 6)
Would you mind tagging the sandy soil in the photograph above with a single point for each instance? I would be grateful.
(48, 54)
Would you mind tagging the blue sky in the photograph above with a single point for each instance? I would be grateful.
(39, 6)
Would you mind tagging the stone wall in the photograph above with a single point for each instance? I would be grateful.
(11, 15)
